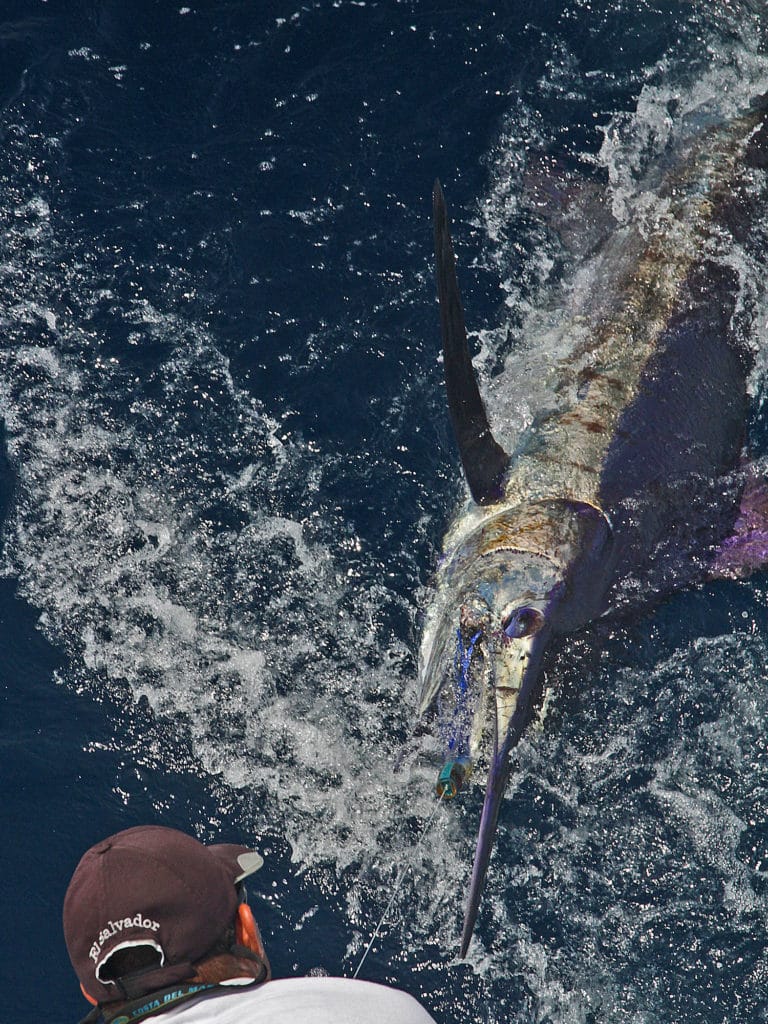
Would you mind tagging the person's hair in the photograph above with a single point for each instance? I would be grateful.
(223, 961)
(128, 960)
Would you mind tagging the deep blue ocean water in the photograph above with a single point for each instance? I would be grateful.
(229, 471)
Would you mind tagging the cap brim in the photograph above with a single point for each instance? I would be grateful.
(241, 861)
(249, 862)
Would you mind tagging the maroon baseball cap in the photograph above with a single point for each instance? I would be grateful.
(151, 886)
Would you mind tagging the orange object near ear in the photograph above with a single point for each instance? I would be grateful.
(246, 930)
(91, 1000)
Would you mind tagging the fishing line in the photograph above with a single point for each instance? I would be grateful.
(398, 882)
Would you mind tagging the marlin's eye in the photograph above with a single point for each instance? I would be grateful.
(523, 622)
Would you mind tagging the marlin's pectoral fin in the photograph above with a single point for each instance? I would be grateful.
(485, 462)
(746, 550)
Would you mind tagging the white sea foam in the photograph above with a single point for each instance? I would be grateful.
(169, 564)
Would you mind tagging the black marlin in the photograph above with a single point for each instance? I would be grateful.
(630, 484)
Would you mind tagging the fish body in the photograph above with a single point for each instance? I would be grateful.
(618, 490)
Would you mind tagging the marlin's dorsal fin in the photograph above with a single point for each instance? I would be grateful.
(485, 462)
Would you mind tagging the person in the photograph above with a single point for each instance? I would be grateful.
(157, 924)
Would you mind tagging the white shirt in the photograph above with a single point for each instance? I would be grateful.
(303, 1001)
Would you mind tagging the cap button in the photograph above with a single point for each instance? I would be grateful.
(103, 847)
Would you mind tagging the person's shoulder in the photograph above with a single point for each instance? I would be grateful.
(350, 1000)
(369, 994)
(328, 1000)
(312, 1000)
